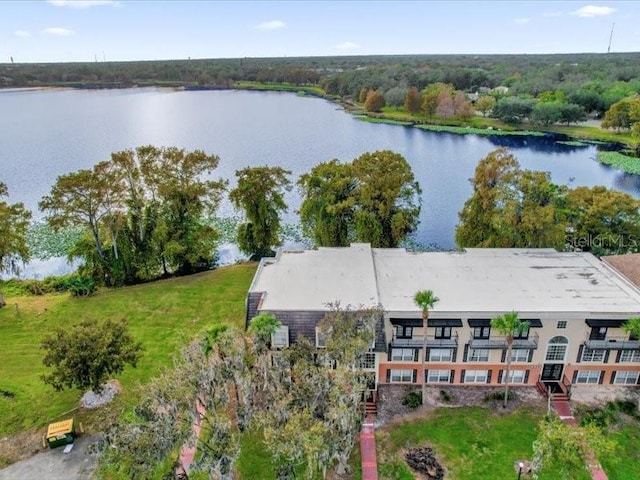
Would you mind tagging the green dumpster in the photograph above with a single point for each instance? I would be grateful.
(60, 433)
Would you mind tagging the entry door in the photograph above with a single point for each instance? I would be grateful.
(552, 372)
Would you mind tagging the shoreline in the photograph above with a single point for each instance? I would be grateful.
(355, 109)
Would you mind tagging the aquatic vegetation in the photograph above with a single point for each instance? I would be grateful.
(619, 160)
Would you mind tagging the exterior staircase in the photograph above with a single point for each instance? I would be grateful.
(371, 404)
(556, 391)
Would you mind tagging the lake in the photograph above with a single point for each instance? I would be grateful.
(46, 133)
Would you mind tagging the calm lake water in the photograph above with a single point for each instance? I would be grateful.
(47, 133)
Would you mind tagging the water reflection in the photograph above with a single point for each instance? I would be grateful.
(50, 133)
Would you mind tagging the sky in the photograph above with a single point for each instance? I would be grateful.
(121, 30)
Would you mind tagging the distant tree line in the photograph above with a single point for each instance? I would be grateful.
(592, 81)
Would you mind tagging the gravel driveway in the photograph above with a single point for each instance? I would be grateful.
(55, 464)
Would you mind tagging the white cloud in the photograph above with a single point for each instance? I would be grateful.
(521, 20)
(271, 25)
(22, 33)
(593, 11)
(60, 32)
(83, 3)
(347, 46)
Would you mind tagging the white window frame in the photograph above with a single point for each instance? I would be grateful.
(368, 361)
(480, 354)
(595, 355)
(515, 376)
(439, 376)
(518, 353)
(629, 356)
(561, 325)
(623, 377)
(280, 338)
(588, 377)
(441, 355)
(402, 357)
(555, 348)
(321, 338)
(401, 376)
(476, 376)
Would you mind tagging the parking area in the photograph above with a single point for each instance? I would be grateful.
(55, 464)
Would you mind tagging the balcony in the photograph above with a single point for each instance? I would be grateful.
(432, 341)
(612, 343)
(496, 342)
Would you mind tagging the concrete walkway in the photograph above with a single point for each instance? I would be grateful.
(563, 410)
(368, 450)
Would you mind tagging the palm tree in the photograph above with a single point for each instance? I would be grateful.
(508, 325)
(632, 327)
(425, 299)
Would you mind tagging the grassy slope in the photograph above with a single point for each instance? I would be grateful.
(163, 315)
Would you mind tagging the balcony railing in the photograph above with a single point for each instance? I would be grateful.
(610, 343)
(501, 342)
(432, 341)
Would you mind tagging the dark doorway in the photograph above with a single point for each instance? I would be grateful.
(552, 372)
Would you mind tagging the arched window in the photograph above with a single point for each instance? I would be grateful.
(557, 349)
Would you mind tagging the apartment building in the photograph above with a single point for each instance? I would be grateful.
(574, 303)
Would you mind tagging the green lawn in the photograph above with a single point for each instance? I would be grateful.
(163, 315)
(471, 442)
(625, 463)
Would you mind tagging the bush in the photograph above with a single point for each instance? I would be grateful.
(445, 396)
(609, 414)
(82, 286)
(499, 395)
(412, 400)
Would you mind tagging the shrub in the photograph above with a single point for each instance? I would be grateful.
(499, 395)
(82, 286)
(445, 396)
(412, 400)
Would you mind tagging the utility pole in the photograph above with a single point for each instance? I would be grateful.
(611, 37)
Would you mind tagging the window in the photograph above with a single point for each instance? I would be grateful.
(557, 349)
(593, 355)
(368, 362)
(561, 325)
(628, 356)
(443, 332)
(280, 338)
(439, 376)
(441, 355)
(523, 335)
(626, 378)
(404, 376)
(515, 376)
(478, 355)
(476, 376)
(402, 354)
(481, 332)
(321, 338)
(401, 331)
(588, 376)
(598, 333)
(519, 355)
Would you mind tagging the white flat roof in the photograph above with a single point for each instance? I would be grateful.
(474, 280)
(310, 279)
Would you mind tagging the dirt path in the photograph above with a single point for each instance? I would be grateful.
(55, 464)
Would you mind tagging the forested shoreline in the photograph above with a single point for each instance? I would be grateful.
(496, 92)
